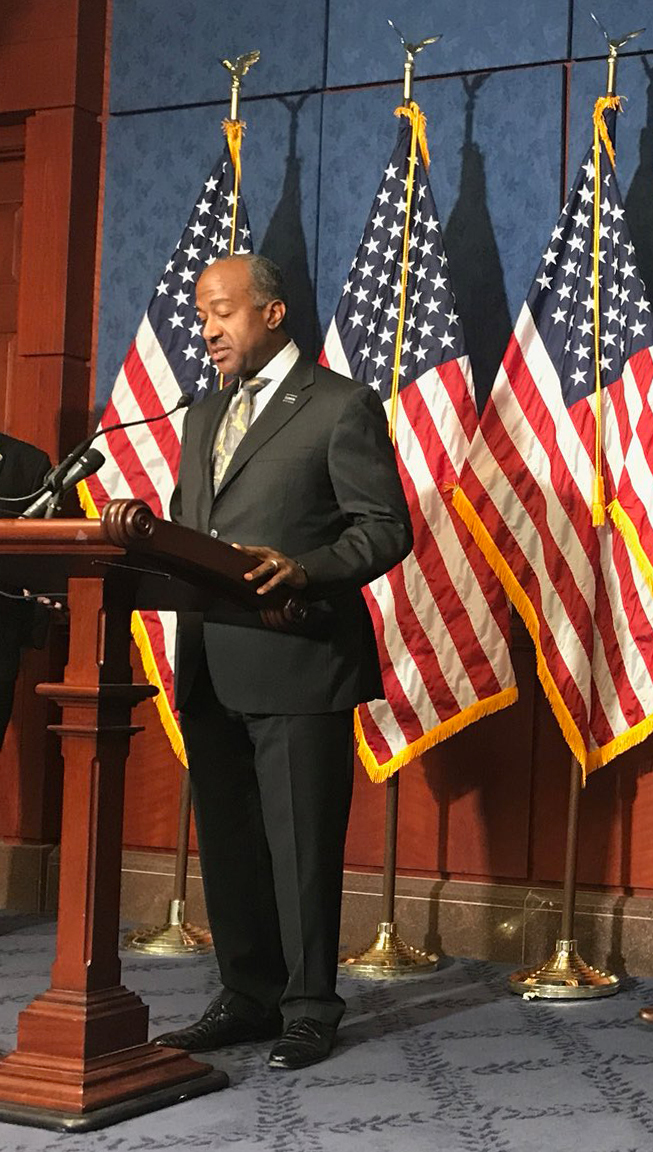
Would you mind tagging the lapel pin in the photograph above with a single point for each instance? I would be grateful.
(289, 398)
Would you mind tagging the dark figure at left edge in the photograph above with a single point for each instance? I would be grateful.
(22, 622)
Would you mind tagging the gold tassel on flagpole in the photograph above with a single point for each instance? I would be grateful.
(601, 136)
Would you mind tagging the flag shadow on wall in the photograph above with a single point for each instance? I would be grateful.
(474, 260)
(285, 243)
(639, 201)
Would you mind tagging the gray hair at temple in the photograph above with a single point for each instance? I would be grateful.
(267, 280)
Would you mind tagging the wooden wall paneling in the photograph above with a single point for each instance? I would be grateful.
(615, 846)
(479, 782)
(51, 77)
(50, 404)
(44, 404)
(29, 70)
(152, 780)
(30, 792)
(84, 185)
(92, 54)
(465, 806)
(44, 270)
(616, 813)
(366, 831)
(38, 52)
(551, 777)
(12, 155)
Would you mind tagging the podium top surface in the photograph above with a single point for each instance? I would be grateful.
(129, 544)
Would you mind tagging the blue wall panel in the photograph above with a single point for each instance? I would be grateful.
(496, 210)
(168, 52)
(494, 34)
(312, 162)
(618, 19)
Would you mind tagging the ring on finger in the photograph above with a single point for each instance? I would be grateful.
(275, 563)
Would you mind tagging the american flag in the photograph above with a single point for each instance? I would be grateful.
(166, 357)
(441, 617)
(526, 489)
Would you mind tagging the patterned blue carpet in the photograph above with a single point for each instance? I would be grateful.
(449, 1062)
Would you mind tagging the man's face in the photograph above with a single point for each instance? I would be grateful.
(240, 337)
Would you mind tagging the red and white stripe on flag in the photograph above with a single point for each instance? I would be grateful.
(142, 463)
(526, 493)
(441, 618)
(632, 509)
(167, 357)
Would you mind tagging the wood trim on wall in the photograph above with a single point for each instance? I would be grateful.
(51, 83)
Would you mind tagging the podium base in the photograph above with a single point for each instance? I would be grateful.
(103, 1117)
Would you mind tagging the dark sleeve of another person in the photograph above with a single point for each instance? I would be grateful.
(24, 622)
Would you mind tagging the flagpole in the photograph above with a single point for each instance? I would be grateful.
(388, 955)
(565, 975)
(175, 937)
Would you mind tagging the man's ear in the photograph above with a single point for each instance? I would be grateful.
(276, 313)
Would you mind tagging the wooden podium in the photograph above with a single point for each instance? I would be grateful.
(82, 1060)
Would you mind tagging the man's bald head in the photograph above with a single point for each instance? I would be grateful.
(241, 302)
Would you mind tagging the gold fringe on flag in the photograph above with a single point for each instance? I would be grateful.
(380, 772)
(141, 638)
(598, 756)
(601, 136)
(625, 526)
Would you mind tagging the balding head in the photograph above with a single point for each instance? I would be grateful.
(241, 303)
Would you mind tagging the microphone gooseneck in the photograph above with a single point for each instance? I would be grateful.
(54, 475)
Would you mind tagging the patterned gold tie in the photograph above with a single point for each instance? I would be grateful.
(234, 426)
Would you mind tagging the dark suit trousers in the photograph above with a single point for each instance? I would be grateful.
(271, 796)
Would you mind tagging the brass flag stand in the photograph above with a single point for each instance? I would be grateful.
(565, 975)
(388, 955)
(175, 937)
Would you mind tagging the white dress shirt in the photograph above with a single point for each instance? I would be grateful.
(275, 371)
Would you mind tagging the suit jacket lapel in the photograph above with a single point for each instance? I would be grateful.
(291, 395)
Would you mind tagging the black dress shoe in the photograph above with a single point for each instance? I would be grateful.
(217, 1028)
(304, 1042)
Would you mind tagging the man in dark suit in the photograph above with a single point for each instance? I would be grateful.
(293, 464)
(22, 468)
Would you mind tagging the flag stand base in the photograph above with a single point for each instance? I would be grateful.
(564, 976)
(388, 955)
(172, 939)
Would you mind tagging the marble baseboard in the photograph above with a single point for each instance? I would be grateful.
(501, 922)
(147, 882)
(515, 924)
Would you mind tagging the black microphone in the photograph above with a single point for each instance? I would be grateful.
(53, 477)
(87, 464)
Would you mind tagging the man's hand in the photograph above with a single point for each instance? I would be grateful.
(279, 568)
